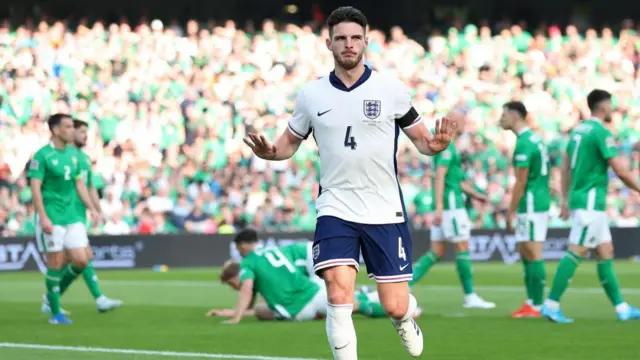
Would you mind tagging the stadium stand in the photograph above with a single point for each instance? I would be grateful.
(168, 108)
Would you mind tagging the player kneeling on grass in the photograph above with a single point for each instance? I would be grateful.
(585, 183)
(56, 182)
(530, 198)
(70, 271)
(452, 222)
(288, 293)
(366, 303)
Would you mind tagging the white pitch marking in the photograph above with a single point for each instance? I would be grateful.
(144, 352)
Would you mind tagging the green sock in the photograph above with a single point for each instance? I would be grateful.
(368, 308)
(609, 281)
(52, 282)
(463, 265)
(527, 277)
(538, 277)
(423, 265)
(564, 273)
(69, 274)
(91, 279)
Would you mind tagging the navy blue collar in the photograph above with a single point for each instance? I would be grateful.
(338, 84)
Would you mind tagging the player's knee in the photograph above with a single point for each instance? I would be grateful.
(80, 263)
(396, 307)
(439, 249)
(535, 252)
(339, 294)
(340, 283)
(579, 250)
(605, 250)
(462, 246)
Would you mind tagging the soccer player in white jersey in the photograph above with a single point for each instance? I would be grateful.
(356, 115)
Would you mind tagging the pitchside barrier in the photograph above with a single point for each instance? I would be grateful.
(194, 250)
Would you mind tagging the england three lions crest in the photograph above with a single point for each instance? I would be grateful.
(372, 108)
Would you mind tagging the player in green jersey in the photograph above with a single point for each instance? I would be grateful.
(69, 271)
(451, 221)
(268, 272)
(55, 182)
(300, 255)
(530, 200)
(585, 183)
(366, 302)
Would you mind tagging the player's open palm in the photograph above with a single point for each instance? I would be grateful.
(442, 136)
(260, 146)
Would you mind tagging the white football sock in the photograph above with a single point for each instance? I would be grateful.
(341, 332)
(622, 308)
(552, 305)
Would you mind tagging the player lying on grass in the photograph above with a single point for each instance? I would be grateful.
(366, 303)
(70, 271)
(585, 185)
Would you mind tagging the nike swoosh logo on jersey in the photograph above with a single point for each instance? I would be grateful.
(342, 347)
(403, 267)
(322, 113)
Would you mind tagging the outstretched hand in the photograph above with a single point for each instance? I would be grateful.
(442, 136)
(260, 146)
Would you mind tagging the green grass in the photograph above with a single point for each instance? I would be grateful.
(165, 312)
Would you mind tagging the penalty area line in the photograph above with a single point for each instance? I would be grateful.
(144, 352)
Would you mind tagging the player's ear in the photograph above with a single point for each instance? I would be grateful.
(366, 41)
(328, 42)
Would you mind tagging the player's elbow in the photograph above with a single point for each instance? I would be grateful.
(620, 170)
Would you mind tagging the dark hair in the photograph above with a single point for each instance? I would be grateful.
(77, 124)
(246, 236)
(346, 14)
(229, 271)
(55, 120)
(597, 96)
(518, 107)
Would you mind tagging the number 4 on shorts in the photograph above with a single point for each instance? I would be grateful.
(401, 253)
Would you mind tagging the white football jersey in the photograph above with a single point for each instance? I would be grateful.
(357, 131)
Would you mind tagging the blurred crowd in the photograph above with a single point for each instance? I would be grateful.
(168, 107)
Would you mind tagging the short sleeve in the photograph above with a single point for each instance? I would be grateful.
(36, 167)
(522, 156)
(246, 273)
(403, 111)
(607, 145)
(300, 123)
